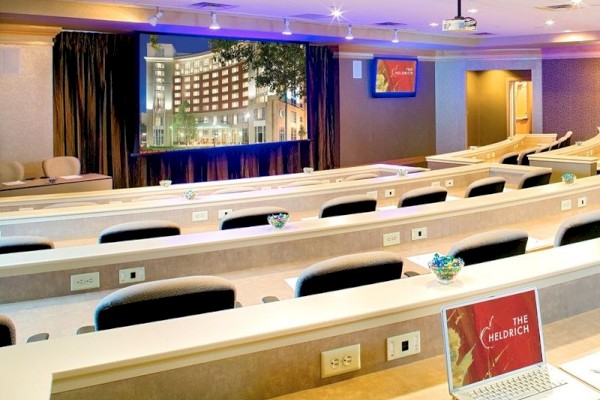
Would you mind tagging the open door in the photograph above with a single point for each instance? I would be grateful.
(519, 107)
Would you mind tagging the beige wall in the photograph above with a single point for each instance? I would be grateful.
(26, 105)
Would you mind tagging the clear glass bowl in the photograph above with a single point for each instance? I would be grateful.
(278, 221)
(445, 268)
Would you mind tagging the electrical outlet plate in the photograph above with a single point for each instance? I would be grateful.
(390, 239)
(130, 275)
(390, 192)
(419, 233)
(339, 361)
(565, 205)
(449, 182)
(436, 183)
(265, 188)
(338, 180)
(224, 212)
(198, 216)
(403, 345)
(372, 194)
(85, 281)
(582, 202)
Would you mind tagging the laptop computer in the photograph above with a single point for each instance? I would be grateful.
(495, 350)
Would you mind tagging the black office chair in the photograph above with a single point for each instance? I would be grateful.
(523, 158)
(246, 217)
(509, 158)
(485, 186)
(487, 246)
(19, 243)
(578, 228)
(353, 204)
(425, 195)
(534, 178)
(565, 141)
(165, 299)
(136, 230)
(349, 271)
(8, 333)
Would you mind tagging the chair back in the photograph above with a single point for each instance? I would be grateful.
(246, 217)
(136, 230)
(425, 195)
(19, 243)
(523, 158)
(61, 166)
(489, 246)
(164, 299)
(566, 140)
(534, 178)
(578, 228)
(11, 171)
(509, 158)
(485, 186)
(345, 205)
(7, 331)
(349, 271)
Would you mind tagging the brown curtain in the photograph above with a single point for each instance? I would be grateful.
(322, 89)
(96, 101)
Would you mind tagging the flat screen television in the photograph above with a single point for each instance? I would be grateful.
(394, 77)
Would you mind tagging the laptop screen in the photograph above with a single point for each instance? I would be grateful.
(490, 337)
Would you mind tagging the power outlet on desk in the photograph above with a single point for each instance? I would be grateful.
(338, 180)
(85, 281)
(565, 205)
(449, 182)
(372, 194)
(582, 202)
(419, 233)
(390, 192)
(131, 275)
(390, 239)
(339, 361)
(436, 183)
(198, 216)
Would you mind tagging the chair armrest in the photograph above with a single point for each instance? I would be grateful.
(38, 337)
(86, 329)
(269, 299)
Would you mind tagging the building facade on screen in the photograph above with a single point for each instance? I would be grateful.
(195, 101)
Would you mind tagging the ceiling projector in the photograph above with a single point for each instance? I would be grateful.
(460, 24)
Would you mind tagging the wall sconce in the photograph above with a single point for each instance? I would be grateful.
(286, 27)
(214, 25)
(349, 35)
(154, 19)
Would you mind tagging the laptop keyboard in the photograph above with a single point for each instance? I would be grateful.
(520, 386)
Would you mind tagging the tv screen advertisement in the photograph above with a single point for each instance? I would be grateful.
(394, 77)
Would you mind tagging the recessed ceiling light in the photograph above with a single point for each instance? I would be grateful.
(434, 24)
(567, 31)
(549, 22)
(472, 10)
(576, 2)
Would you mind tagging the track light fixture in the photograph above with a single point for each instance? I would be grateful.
(349, 35)
(286, 27)
(154, 19)
(214, 25)
(395, 38)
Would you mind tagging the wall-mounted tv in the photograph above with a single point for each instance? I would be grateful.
(394, 77)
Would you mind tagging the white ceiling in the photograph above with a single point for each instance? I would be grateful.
(501, 23)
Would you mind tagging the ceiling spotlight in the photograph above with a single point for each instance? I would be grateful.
(434, 24)
(214, 25)
(154, 19)
(349, 35)
(549, 22)
(286, 27)
(395, 39)
(336, 13)
(576, 2)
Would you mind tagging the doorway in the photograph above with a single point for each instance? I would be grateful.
(495, 105)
